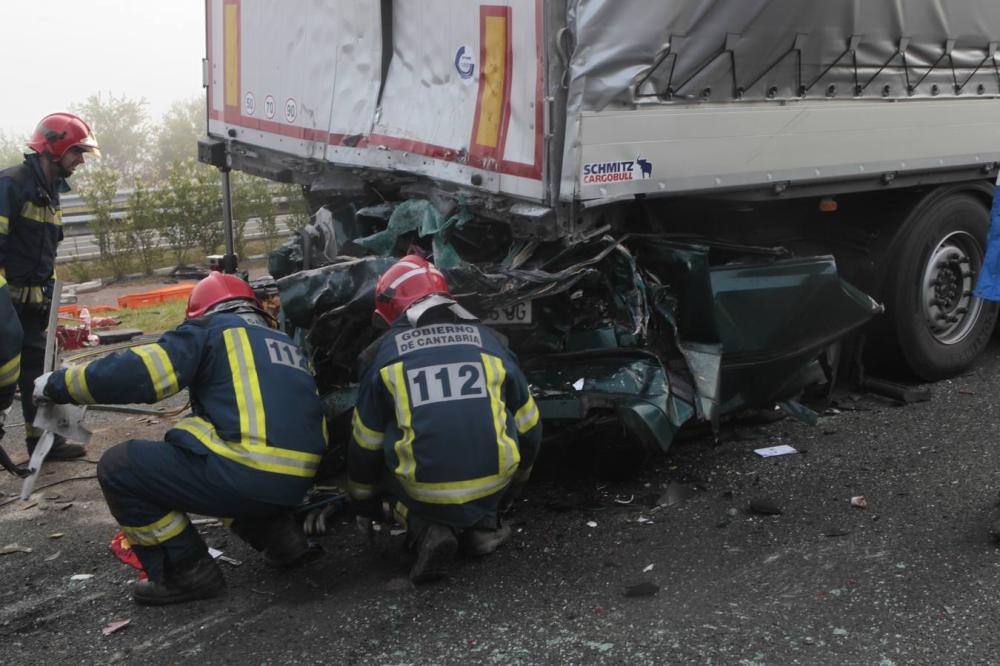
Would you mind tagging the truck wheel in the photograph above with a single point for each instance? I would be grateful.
(939, 326)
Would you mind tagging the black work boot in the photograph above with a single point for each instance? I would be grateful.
(435, 551)
(287, 546)
(201, 580)
(61, 449)
(482, 540)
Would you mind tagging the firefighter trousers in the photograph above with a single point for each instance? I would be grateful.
(151, 486)
(34, 321)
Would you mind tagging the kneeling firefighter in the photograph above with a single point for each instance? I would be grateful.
(445, 429)
(248, 453)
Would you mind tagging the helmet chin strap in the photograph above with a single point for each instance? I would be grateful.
(56, 163)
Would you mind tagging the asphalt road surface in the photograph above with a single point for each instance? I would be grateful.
(910, 579)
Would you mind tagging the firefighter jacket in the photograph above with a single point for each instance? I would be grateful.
(30, 229)
(256, 412)
(10, 345)
(446, 408)
(988, 284)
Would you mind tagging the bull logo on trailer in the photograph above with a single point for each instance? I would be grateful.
(617, 172)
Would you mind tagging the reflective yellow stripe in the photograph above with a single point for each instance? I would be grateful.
(455, 492)
(246, 384)
(43, 214)
(527, 417)
(493, 73)
(76, 384)
(3, 276)
(366, 437)
(507, 452)
(264, 458)
(401, 512)
(154, 534)
(230, 39)
(10, 371)
(360, 491)
(4, 224)
(392, 377)
(30, 295)
(161, 370)
(326, 434)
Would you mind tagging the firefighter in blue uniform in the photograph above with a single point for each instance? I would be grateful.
(10, 366)
(249, 452)
(30, 231)
(445, 429)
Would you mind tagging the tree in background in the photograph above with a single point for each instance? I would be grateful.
(192, 201)
(208, 203)
(297, 206)
(268, 215)
(252, 198)
(114, 242)
(180, 225)
(123, 130)
(11, 150)
(143, 224)
(183, 124)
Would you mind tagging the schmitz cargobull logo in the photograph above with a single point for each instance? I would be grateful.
(616, 172)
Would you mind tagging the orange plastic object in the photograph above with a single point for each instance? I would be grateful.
(145, 299)
(73, 311)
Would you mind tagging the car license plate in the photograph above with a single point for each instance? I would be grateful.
(511, 315)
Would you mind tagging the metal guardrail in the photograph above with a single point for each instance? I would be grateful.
(77, 214)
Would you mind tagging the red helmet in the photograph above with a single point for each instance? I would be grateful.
(218, 288)
(58, 132)
(409, 280)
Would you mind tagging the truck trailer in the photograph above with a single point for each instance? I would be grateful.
(675, 210)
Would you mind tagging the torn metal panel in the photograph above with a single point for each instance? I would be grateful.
(631, 384)
(649, 331)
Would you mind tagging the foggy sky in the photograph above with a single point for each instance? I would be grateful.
(59, 52)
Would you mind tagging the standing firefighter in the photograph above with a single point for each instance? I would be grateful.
(445, 427)
(30, 231)
(10, 365)
(249, 452)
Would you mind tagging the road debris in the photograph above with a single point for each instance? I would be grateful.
(649, 567)
(207, 522)
(218, 555)
(81, 576)
(57, 535)
(675, 493)
(859, 502)
(11, 548)
(115, 626)
(773, 451)
(591, 523)
(645, 589)
(53, 556)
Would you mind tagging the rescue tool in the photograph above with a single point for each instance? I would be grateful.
(53, 419)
